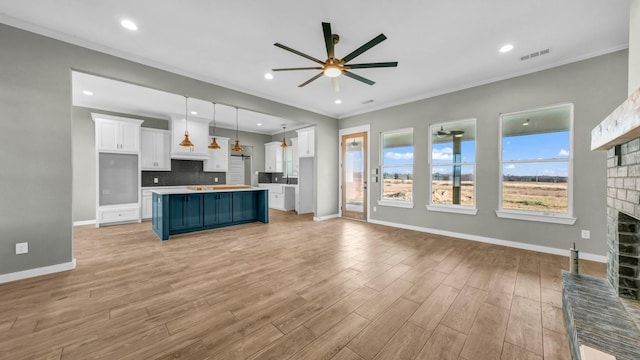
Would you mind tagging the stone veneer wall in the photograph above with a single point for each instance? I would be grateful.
(623, 195)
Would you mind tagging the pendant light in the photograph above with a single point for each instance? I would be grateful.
(214, 144)
(236, 147)
(186, 142)
(284, 142)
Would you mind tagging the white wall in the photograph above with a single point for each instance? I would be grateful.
(634, 46)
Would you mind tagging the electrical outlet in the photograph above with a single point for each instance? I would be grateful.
(375, 209)
(215, 179)
(22, 248)
(585, 234)
(155, 180)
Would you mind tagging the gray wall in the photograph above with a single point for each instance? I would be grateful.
(634, 46)
(595, 86)
(37, 175)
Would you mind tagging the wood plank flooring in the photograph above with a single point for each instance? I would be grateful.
(291, 289)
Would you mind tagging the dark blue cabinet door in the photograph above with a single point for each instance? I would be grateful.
(245, 204)
(217, 208)
(186, 211)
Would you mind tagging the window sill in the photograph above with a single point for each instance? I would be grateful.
(554, 219)
(453, 209)
(400, 204)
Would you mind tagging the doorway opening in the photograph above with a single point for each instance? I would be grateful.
(354, 175)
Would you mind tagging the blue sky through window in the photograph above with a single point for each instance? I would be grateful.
(534, 147)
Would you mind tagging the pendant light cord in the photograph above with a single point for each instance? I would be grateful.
(186, 114)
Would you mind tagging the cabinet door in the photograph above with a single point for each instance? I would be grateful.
(162, 150)
(217, 208)
(147, 150)
(147, 207)
(269, 158)
(129, 135)
(106, 135)
(306, 143)
(218, 159)
(245, 205)
(186, 211)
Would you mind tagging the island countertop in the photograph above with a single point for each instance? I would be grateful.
(203, 190)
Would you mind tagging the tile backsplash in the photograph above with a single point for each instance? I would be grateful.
(183, 172)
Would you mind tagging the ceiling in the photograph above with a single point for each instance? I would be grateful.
(441, 45)
(126, 98)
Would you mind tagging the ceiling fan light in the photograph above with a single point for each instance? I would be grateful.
(332, 71)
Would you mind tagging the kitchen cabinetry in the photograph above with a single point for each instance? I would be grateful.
(218, 159)
(272, 157)
(198, 134)
(291, 159)
(217, 208)
(116, 134)
(186, 212)
(246, 206)
(306, 142)
(155, 149)
(281, 197)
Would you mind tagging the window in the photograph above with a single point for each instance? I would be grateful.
(536, 164)
(453, 167)
(397, 168)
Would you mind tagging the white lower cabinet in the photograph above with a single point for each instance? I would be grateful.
(281, 197)
(116, 214)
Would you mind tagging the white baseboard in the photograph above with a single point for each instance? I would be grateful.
(327, 217)
(46, 270)
(488, 240)
(84, 222)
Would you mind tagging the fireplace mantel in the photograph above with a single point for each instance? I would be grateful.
(620, 127)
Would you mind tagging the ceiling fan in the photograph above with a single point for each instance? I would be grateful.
(455, 133)
(334, 67)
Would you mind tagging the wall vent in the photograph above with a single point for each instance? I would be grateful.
(534, 54)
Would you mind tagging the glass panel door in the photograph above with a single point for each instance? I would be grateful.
(354, 176)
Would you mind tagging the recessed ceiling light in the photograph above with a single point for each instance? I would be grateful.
(129, 25)
(194, 113)
(338, 101)
(268, 76)
(88, 93)
(259, 124)
(506, 48)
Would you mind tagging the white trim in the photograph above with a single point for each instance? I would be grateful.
(45, 270)
(528, 215)
(488, 240)
(453, 209)
(348, 131)
(84, 222)
(521, 215)
(326, 217)
(400, 204)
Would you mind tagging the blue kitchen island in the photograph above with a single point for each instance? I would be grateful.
(179, 211)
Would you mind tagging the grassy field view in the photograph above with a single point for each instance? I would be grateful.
(531, 196)
(535, 196)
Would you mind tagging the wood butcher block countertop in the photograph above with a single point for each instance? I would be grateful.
(218, 187)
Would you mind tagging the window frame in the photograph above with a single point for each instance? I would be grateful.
(529, 215)
(453, 208)
(396, 203)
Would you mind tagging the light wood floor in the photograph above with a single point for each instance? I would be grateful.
(292, 289)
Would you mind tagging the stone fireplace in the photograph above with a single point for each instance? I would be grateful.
(605, 313)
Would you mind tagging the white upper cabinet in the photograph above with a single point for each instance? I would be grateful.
(306, 142)
(198, 134)
(155, 152)
(295, 161)
(218, 160)
(117, 134)
(272, 157)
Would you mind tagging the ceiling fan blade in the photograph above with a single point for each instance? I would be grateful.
(299, 53)
(372, 65)
(336, 84)
(358, 77)
(373, 42)
(328, 39)
(299, 68)
(310, 80)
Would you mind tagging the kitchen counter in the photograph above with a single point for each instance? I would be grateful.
(178, 211)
